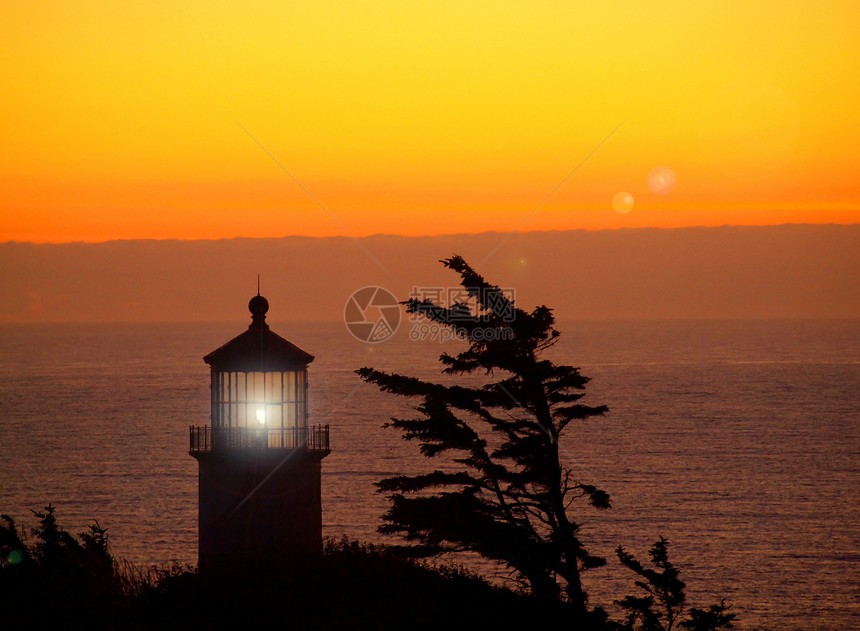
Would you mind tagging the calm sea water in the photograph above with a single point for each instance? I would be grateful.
(738, 441)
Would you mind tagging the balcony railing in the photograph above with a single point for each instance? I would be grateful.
(206, 439)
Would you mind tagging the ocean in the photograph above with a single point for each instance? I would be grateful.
(736, 440)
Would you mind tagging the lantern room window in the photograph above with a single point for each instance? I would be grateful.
(271, 400)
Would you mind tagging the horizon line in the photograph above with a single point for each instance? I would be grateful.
(418, 236)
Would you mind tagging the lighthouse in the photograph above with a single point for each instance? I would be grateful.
(259, 462)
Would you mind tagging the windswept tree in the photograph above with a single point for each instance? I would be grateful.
(505, 491)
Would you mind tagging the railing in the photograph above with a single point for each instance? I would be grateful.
(206, 439)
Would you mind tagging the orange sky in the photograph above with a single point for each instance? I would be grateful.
(123, 121)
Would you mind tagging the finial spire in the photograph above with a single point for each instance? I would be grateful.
(258, 284)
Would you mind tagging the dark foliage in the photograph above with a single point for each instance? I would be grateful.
(351, 586)
(57, 576)
(58, 582)
(661, 607)
(508, 495)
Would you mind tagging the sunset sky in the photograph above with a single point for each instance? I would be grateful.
(190, 119)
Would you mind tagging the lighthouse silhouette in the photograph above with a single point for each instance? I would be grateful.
(259, 463)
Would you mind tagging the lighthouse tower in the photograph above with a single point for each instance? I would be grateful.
(259, 462)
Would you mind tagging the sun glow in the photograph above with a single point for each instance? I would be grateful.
(193, 120)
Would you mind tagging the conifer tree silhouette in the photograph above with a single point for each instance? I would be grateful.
(506, 492)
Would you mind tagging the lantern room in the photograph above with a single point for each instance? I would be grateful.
(259, 392)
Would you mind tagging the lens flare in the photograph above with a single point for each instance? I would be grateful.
(622, 203)
(661, 180)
